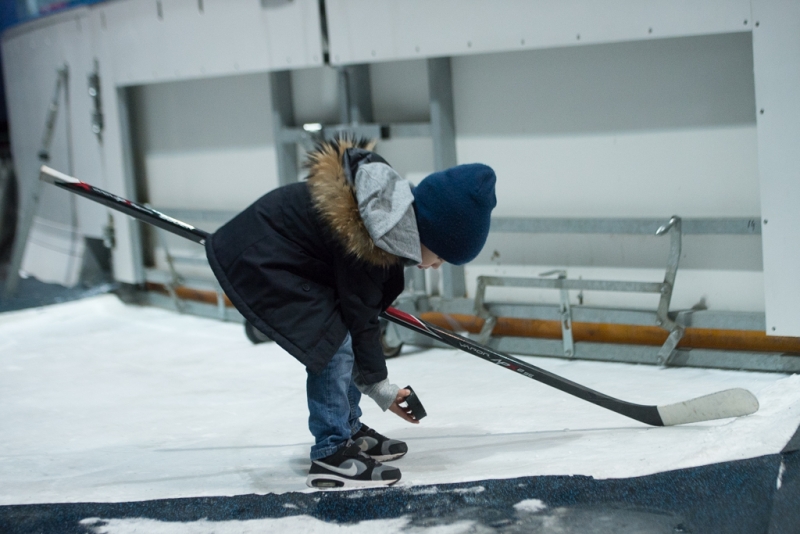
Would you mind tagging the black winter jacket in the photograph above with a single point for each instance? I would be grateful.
(300, 265)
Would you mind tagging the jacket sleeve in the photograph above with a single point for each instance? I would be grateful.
(362, 292)
(383, 393)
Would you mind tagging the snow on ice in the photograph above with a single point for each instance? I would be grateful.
(105, 402)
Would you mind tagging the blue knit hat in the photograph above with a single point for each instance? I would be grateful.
(453, 209)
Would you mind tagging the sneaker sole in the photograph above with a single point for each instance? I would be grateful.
(328, 481)
(388, 457)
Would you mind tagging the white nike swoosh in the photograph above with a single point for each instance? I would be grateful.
(349, 472)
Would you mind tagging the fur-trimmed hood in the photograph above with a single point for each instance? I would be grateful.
(334, 198)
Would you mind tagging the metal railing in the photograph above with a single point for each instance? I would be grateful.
(664, 288)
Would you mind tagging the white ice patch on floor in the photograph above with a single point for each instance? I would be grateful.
(301, 523)
(103, 402)
(530, 506)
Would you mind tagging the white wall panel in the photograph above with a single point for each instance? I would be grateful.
(703, 173)
(32, 56)
(646, 128)
(151, 40)
(205, 144)
(378, 30)
(776, 56)
(636, 129)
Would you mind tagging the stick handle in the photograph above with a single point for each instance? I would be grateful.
(135, 210)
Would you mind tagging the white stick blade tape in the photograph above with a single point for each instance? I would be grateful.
(721, 405)
(51, 176)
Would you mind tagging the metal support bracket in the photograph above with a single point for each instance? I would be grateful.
(175, 278)
(283, 118)
(489, 320)
(6, 175)
(486, 330)
(676, 331)
(667, 350)
(97, 102)
(221, 304)
(443, 135)
(566, 314)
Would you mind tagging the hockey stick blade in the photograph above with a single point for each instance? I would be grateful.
(137, 211)
(721, 405)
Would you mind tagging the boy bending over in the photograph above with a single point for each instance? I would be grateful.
(313, 264)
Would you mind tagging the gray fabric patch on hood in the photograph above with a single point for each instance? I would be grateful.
(385, 204)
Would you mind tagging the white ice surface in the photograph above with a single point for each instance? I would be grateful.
(301, 523)
(105, 402)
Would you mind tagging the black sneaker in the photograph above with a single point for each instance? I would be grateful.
(377, 446)
(350, 468)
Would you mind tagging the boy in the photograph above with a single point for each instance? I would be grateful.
(313, 264)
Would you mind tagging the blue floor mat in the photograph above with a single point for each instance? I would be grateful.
(31, 293)
(739, 497)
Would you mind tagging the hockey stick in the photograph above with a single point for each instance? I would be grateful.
(720, 405)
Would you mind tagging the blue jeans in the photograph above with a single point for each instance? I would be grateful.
(333, 403)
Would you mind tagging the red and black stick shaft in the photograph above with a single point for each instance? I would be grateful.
(642, 413)
(137, 211)
(645, 414)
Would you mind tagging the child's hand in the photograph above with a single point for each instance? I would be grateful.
(402, 411)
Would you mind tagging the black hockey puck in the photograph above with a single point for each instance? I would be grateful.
(417, 410)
